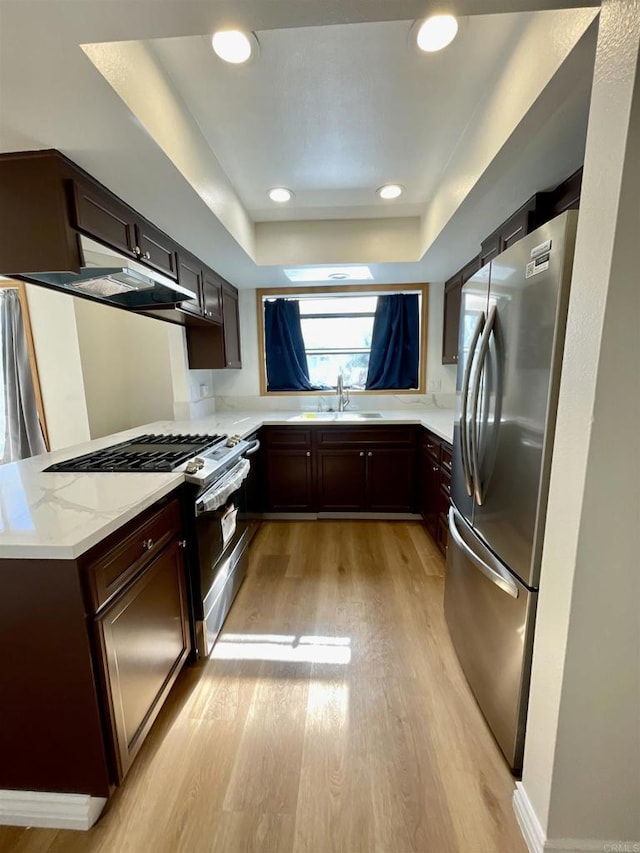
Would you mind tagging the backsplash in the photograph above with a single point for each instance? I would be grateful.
(363, 402)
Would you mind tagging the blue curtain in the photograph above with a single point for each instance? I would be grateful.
(395, 344)
(287, 368)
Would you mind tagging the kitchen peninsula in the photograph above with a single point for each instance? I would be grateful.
(98, 563)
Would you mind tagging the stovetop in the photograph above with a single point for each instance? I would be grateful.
(145, 453)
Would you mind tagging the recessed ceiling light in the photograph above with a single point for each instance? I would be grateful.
(353, 273)
(280, 194)
(436, 32)
(389, 191)
(233, 46)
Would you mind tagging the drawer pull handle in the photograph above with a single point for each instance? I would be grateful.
(182, 543)
(147, 544)
(430, 446)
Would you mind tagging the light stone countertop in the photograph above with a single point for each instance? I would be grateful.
(60, 516)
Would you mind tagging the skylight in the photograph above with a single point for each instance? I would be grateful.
(337, 274)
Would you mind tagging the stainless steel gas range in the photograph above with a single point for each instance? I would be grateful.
(215, 468)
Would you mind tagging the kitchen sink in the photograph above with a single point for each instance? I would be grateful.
(337, 416)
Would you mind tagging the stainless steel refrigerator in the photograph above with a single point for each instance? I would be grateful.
(512, 325)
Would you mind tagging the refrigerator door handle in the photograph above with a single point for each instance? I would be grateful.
(475, 396)
(464, 439)
(495, 574)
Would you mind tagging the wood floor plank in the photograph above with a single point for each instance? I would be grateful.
(332, 717)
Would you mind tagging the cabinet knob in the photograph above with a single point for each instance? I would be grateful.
(435, 468)
(147, 256)
(308, 453)
(370, 453)
(455, 358)
(182, 543)
(147, 544)
(137, 250)
(362, 453)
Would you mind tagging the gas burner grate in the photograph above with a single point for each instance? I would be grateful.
(144, 453)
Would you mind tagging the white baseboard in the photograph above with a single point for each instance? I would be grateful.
(530, 826)
(53, 811)
(537, 842)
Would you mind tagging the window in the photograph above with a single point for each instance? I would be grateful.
(336, 324)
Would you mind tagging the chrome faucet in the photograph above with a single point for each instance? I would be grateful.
(343, 394)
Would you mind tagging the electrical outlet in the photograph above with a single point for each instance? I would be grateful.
(434, 385)
(204, 391)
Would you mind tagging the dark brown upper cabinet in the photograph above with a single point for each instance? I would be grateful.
(47, 202)
(215, 347)
(452, 299)
(212, 296)
(540, 208)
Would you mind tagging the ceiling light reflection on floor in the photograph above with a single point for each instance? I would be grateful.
(285, 648)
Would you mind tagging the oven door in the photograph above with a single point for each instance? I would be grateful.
(222, 537)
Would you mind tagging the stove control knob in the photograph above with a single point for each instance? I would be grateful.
(194, 465)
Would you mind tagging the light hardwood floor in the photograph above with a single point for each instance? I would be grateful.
(332, 716)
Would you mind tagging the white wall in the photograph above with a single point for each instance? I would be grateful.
(581, 776)
(126, 367)
(101, 343)
(55, 338)
(246, 383)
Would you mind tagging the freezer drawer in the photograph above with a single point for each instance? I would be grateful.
(492, 632)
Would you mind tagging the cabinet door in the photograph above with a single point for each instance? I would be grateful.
(190, 276)
(452, 298)
(144, 640)
(341, 480)
(98, 214)
(231, 327)
(289, 481)
(490, 248)
(157, 250)
(212, 297)
(514, 229)
(390, 480)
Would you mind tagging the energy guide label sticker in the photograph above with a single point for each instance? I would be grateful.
(536, 266)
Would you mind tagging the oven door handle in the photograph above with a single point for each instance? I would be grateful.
(217, 495)
(254, 448)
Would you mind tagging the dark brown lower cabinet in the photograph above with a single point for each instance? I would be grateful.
(90, 648)
(435, 487)
(340, 469)
(144, 639)
(288, 476)
(430, 477)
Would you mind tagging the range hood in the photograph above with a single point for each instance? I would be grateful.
(109, 277)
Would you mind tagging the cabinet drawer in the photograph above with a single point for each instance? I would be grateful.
(432, 446)
(366, 436)
(446, 456)
(287, 437)
(117, 562)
